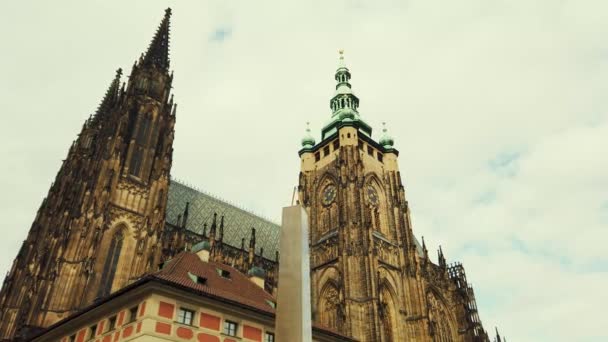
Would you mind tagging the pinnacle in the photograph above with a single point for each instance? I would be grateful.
(341, 64)
(110, 96)
(158, 51)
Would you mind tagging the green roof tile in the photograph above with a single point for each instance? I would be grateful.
(237, 222)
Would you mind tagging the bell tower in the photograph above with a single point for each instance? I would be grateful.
(99, 226)
(361, 242)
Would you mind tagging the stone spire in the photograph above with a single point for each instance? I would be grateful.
(158, 51)
(109, 99)
(213, 227)
(185, 215)
(497, 338)
(221, 239)
(441, 258)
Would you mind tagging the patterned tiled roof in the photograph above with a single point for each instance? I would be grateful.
(236, 288)
(237, 222)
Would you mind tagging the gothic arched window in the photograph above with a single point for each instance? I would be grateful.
(144, 130)
(110, 265)
(438, 319)
(387, 313)
(141, 140)
(387, 308)
(328, 209)
(136, 160)
(329, 308)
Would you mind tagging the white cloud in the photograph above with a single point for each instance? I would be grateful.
(461, 85)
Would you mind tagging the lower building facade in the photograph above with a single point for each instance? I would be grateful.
(189, 300)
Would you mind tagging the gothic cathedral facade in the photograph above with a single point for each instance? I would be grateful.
(371, 279)
(109, 196)
(103, 223)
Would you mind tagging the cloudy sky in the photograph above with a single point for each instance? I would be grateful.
(498, 108)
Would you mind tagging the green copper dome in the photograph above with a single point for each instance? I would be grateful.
(308, 141)
(346, 113)
(203, 245)
(386, 140)
(257, 272)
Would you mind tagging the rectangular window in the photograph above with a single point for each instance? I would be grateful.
(336, 144)
(185, 316)
(370, 150)
(269, 337)
(92, 330)
(223, 273)
(325, 151)
(112, 323)
(132, 314)
(317, 156)
(379, 155)
(230, 328)
(361, 145)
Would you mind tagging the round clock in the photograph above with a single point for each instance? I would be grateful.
(329, 194)
(372, 195)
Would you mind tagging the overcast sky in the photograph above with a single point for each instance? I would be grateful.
(498, 108)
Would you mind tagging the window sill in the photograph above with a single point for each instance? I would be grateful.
(184, 324)
(231, 336)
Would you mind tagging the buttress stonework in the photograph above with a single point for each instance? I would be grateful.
(113, 214)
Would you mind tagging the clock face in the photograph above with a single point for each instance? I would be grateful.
(372, 195)
(329, 194)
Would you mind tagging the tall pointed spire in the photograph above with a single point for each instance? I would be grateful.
(222, 228)
(497, 338)
(213, 227)
(344, 104)
(344, 97)
(158, 51)
(185, 216)
(441, 258)
(109, 99)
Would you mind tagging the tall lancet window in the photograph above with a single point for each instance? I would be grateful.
(329, 310)
(109, 267)
(141, 139)
(387, 314)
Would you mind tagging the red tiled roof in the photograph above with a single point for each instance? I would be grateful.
(238, 288)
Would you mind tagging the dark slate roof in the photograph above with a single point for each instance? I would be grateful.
(237, 222)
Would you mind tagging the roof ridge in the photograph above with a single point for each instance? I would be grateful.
(171, 264)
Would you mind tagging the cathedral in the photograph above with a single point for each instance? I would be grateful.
(114, 216)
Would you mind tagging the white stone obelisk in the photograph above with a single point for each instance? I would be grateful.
(293, 321)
